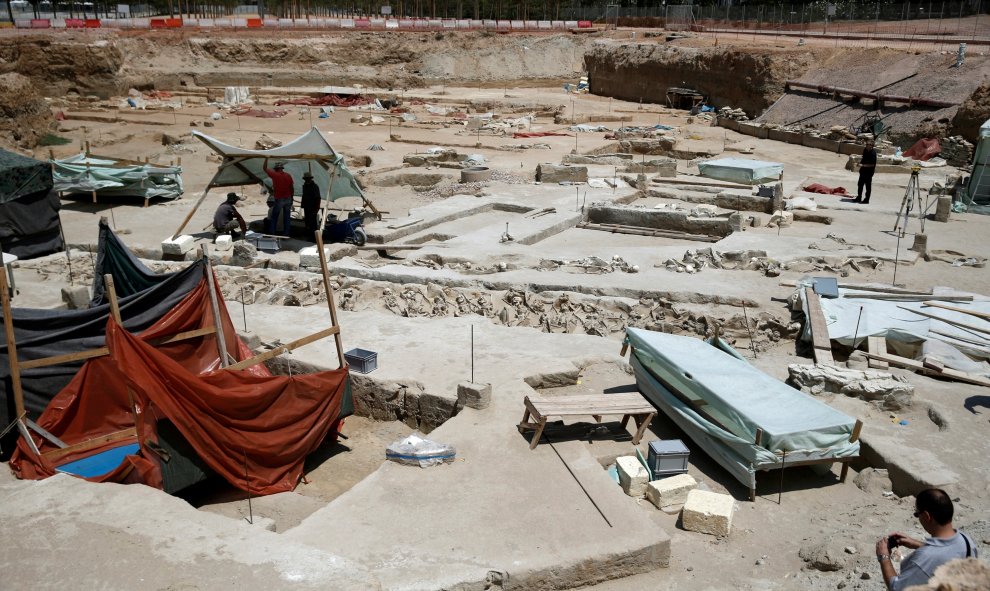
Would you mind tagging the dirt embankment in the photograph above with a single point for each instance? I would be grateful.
(24, 115)
(163, 60)
(747, 79)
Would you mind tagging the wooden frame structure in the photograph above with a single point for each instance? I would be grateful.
(25, 424)
(630, 404)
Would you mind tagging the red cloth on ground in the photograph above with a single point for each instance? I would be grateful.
(281, 183)
(819, 188)
(327, 100)
(924, 149)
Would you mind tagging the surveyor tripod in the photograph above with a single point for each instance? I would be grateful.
(911, 194)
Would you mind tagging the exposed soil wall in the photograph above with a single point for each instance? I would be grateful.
(747, 79)
(24, 114)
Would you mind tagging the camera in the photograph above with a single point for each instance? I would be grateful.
(892, 542)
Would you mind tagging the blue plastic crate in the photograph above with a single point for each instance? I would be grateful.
(362, 360)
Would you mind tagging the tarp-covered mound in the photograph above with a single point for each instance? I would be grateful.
(130, 275)
(85, 174)
(740, 170)
(253, 429)
(29, 223)
(47, 333)
(722, 402)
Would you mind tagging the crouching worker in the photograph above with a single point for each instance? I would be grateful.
(227, 219)
(933, 508)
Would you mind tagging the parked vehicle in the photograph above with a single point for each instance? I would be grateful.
(349, 230)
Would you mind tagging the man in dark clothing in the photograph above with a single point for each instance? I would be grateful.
(310, 204)
(867, 166)
(282, 188)
(227, 219)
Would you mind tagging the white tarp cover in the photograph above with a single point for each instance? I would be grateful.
(978, 188)
(739, 170)
(908, 334)
(109, 176)
(309, 152)
(740, 399)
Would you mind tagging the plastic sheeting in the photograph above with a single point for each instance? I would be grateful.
(978, 188)
(908, 334)
(245, 167)
(739, 170)
(29, 218)
(108, 176)
(130, 276)
(738, 399)
(236, 422)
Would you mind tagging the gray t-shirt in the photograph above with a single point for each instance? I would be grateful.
(921, 564)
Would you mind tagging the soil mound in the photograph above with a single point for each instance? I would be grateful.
(24, 116)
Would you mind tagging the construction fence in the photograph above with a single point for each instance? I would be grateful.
(381, 24)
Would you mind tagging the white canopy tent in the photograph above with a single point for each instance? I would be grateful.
(309, 152)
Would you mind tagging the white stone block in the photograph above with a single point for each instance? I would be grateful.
(310, 256)
(223, 243)
(670, 491)
(180, 245)
(708, 513)
(632, 475)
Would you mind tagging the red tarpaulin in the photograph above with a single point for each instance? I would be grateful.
(924, 149)
(328, 100)
(819, 188)
(230, 418)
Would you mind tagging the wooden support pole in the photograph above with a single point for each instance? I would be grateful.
(8, 325)
(948, 321)
(215, 306)
(192, 212)
(112, 297)
(852, 439)
(101, 351)
(330, 303)
(977, 313)
(285, 348)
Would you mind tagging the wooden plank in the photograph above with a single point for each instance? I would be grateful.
(977, 313)
(215, 308)
(90, 353)
(933, 364)
(877, 346)
(853, 438)
(331, 305)
(44, 433)
(894, 297)
(8, 326)
(326, 332)
(55, 455)
(819, 328)
(111, 291)
(965, 325)
(919, 366)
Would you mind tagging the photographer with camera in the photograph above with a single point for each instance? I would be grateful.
(934, 510)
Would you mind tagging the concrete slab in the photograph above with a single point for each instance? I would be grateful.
(67, 529)
(500, 507)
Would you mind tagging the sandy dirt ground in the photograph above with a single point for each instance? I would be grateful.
(799, 510)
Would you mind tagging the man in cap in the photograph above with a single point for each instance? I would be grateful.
(310, 204)
(282, 188)
(227, 219)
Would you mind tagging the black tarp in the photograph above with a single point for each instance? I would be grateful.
(45, 333)
(29, 223)
(130, 275)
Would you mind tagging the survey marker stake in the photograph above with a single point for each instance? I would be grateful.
(247, 487)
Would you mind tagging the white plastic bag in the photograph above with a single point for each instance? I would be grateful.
(415, 450)
(805, 203)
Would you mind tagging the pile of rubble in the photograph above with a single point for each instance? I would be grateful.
(735, 114)
(956, 151)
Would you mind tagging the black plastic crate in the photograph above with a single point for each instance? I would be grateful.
(667, 457)
(362, 360)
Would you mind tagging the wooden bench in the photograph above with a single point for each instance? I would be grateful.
(630, 404)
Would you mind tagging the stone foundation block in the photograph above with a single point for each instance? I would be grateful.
(943, 208)
(670, 491)
(552, 173)
(223, 243)
(180, 245)
(632, 475)
(474, 395)
(310, 256)
(76, 298)
(708, 513)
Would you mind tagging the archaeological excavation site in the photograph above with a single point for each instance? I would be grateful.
(454, 298)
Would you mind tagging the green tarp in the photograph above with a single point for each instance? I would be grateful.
(82, 174)
(21, 176)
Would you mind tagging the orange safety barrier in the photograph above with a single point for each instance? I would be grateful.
(93, 23)
(255, 23)
(584, 24)
(74, 23)
(173, 23)
(157, 23)
(41, 23)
